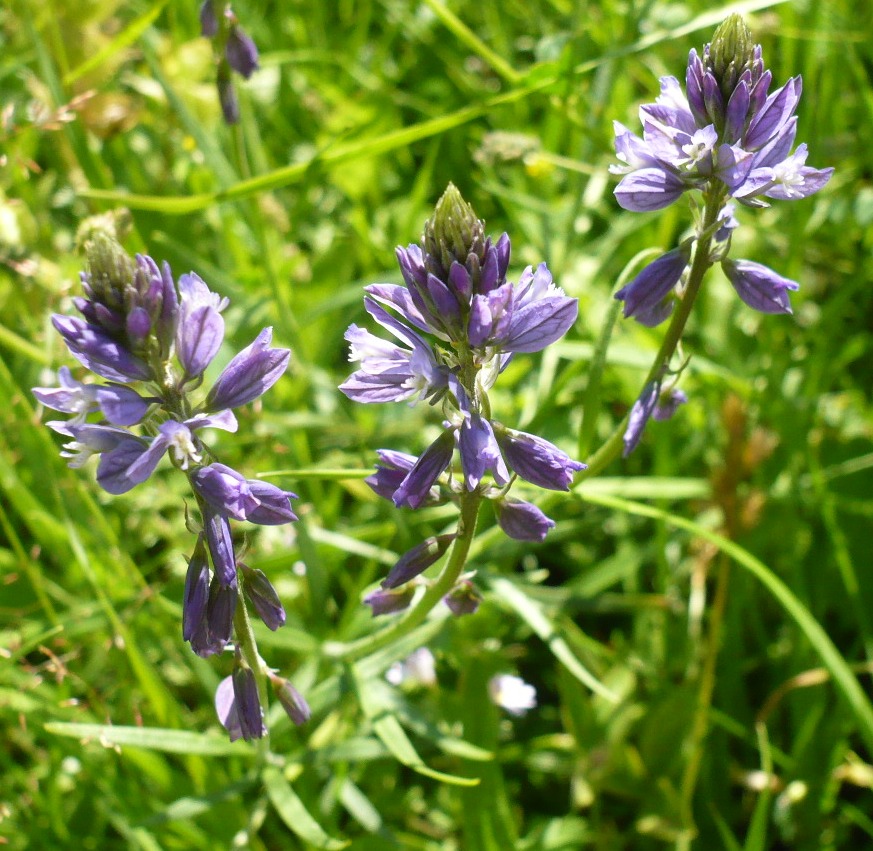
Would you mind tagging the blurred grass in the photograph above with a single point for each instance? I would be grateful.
(361, 114)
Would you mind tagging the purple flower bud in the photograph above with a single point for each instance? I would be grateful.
(417, 560)
(196, 591)
(250, 374)
(214, 632)
(263, 597)
(227, 97)
(232, 495)
(463, 599)
(386, 602)
(292, 701)
(416, 486)
(536, 460)
(758, 286)
(241, 52)
(200, 330)
(651, 286)
(208, 19)
(522, 520)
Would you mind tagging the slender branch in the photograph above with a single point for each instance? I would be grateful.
(452, 569)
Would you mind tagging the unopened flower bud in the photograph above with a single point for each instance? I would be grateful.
(453, 234)
(263, 597)
(731, 52)
(417, 560)
(292, 701)
(386, 602)
(463, 599)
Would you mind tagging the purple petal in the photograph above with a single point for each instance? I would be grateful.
(220, 543)
(263, 597)
(196, 591)
(639, 416)
(649, 288)
(198, 338)
(480, 452)
(99, 352)
(537, 325)
(120, 405)
(113, 471)
(538, 461)
(778, 108)
(248, 704)
(241, 52)
(648, 189)
(385, 602)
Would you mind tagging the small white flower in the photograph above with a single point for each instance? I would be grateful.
(512, 694)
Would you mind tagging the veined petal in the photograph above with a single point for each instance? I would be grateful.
(538, 325)
(759, 286)
(415, 487)
(648, 189)
(250, 374)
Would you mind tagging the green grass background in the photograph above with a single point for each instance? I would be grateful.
(361, 114)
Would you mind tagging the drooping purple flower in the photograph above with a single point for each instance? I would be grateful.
(294, 704)
(227, 96)
(480, 452)
(417, 560)
(644, 297)
(208, 19)
(386, 601)
(463, 599)
(536, 460)
(416, 486)
(522, 520)
(232, 495)
(241, 52)
(220, 542)
(640, 412)
(250, 374)
(196, 591)
(238, 706)
(758, 286)
(214, 632)
(263, 597)
(392, 470)
(200, 330)
(668, 404)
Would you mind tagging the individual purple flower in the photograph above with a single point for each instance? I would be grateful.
(386, 601)
(122, 406)
(463, 599)
(214, 631)
(241, 51)
(522, 520)
(196, 596)
(232, 495)
(219, 539)
(99, 352)
(416, 486)
(238, 706)
(294, 704)
(208, 19)
(250, 374)
(394, 467)
(536, 460)
(654, 404)
(227, 96)
(480, 452)
(758, 286)
(262, 595)
(417, 560)
(668, 404)
(645, 296)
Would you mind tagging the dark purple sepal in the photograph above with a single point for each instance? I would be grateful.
(96, 350)
(415, 487)
(463, 599)
(241, 52)
(220, 542)
(248, 704)
(536, 460)
(639, 415)
(386, 602)
(196, 591)
(651, 286)
(262, 595)
(521, 520)
(294, 704)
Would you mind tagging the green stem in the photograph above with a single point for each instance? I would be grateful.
(700, 723)
(452, 569)
(611, 449)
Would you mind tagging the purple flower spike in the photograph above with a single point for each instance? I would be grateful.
(250, 374)
(645, 293)
(417, 560)
(232, 495)
(416, 486)
(386, 602)
(536, 460)
(241, 52)
(521, 520)
(758, 286)
(196, 591)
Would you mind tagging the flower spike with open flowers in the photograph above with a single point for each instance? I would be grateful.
(151, 338)
(728, 137)
(458, 323)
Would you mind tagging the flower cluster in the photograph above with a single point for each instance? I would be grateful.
(236, 51)
(458, 322)
(726, 135)
(152, 339)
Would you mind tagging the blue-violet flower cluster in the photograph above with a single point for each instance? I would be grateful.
(457, 322)
(728, 136)
(151, 338)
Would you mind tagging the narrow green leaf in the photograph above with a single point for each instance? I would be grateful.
(831, 658)
(295, 815)
(152, 738)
